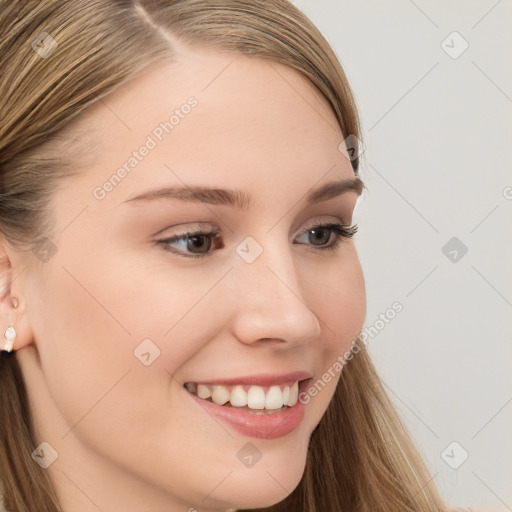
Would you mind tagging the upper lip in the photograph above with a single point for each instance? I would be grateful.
(259, 380)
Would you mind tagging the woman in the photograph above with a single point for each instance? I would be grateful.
(178, 335)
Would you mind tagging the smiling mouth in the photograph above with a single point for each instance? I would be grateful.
(260, 399)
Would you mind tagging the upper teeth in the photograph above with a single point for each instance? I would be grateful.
(254, 397)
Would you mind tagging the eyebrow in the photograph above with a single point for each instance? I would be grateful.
(241, 199)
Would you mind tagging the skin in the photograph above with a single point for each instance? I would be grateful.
(128, 436)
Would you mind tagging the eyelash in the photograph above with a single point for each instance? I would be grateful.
(340, 230)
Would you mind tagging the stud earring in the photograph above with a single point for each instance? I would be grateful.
(10, 338)
(10, 332)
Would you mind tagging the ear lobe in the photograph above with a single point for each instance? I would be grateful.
(7, 304)
(13, 330)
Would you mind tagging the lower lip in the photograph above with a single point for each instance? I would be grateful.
(262, 426)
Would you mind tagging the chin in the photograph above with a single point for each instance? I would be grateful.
(260, 488)
(258, 497)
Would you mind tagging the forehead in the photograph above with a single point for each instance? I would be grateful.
(214, 118)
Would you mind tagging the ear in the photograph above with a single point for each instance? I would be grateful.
(12, 300)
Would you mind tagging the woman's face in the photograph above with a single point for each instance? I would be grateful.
(119, 319)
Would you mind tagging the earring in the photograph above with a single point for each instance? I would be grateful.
(10, 332)
(10, 338)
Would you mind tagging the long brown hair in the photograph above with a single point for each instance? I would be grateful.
(59, 57)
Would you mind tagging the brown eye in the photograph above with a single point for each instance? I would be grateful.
(199, 244)
(322, 234)
(193, 245)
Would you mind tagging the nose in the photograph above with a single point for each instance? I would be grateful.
(270, 298)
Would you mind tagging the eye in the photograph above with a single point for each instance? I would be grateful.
(198, 244)
(323, 233)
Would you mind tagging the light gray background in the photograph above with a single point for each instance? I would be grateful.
(437, 165)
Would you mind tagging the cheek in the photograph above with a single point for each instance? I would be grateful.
(92, 319)
(340, 304)
(108, 320)
(339, 301)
